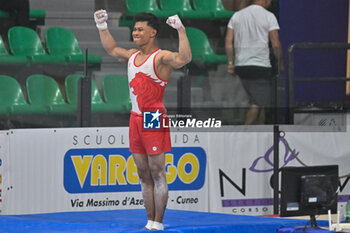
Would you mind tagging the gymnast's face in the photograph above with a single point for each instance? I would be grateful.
(142, 33)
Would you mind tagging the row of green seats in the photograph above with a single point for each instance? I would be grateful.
(45, 96)
(202, 9)
(37, 15)
(26, 47)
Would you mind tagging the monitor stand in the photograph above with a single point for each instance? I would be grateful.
(313, 221)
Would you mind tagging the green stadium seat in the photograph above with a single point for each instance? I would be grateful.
(37, 13)
(215, 7)
(97, 104)
(116, 92)
(150, 6)
(12, 100)
(62, 42)
(6, 58)
(202, 53)
(25, 41)
(71, 86)
(4, 14)
(126, 21)
(44, 92)
(183, 8)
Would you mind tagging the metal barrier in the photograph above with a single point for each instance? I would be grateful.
(291, 80)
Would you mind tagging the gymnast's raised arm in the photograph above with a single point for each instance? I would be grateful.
(107, 40)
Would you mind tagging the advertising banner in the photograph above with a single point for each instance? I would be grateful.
(90, 169)
(4, 162)
(241, 166)
(58, 170)
(325, 148)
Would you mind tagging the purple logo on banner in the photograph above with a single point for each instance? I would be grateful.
(268, 158)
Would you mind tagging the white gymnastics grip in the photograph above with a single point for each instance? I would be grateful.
(175, 22)
(101, 17)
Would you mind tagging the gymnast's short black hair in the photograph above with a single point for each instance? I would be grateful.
(151, 20)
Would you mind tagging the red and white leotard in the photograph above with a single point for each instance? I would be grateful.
(146, 94)
(146, 87)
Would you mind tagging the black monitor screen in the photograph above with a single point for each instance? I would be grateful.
(309, 190)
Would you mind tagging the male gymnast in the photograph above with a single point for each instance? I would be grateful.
(149, 70)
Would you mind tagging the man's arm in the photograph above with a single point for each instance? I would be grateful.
(178, 59)
(277, 48)
(107, 40)
(229, 39)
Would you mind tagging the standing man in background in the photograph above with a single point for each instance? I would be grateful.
(149, 70)
(247, 48)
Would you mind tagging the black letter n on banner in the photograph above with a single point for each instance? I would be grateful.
(222, 175)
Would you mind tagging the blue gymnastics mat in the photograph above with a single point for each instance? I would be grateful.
(133, 220)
